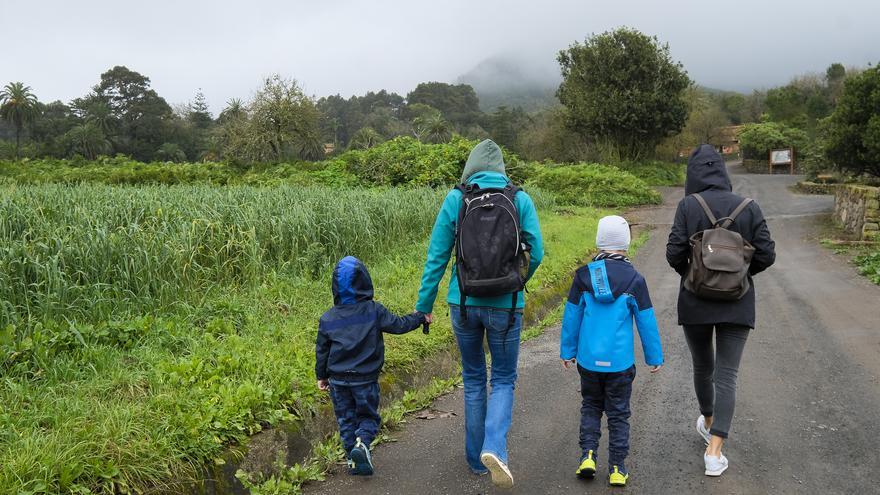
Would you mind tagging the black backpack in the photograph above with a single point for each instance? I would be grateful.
(491, 255)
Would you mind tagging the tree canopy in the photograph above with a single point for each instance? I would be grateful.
(853, 130)
(622, 87)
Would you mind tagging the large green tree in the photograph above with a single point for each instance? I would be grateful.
(458, 103)
(281, 123)
(19, 106)
(623, 89)
(853, 130)
(143, 116)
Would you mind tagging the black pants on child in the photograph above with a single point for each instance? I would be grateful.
(607, 393)
(357, 412)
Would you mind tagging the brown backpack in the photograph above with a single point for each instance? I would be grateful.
(720, 258)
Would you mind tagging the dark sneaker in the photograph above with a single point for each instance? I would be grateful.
(362, 460)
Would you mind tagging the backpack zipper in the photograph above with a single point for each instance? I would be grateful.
(709, 247)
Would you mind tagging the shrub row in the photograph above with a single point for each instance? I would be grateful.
(400, 161)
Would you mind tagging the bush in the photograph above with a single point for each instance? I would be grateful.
(591, 184)
(853, 130)
(756, 140)
(123, 170)
(869, 266)
(406, 160)
(656, 172)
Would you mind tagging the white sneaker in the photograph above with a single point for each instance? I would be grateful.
(501, 476)
(715, 465)
(702, 430)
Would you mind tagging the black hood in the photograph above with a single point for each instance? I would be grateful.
(351, 282)
(706, 170)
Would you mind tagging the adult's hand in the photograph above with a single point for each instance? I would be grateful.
(324, 385)
(655, 369)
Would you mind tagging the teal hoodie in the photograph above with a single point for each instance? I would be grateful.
(443, 239)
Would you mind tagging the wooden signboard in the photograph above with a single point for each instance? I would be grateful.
(782, 157)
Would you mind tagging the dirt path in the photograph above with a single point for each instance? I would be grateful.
(808, 401)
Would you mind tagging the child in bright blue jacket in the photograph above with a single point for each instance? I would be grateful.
(597, 335)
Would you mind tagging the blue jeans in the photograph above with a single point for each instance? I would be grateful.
(487, 418)
(608, 393)
(357, 412)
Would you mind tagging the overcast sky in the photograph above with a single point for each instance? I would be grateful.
(225, 47)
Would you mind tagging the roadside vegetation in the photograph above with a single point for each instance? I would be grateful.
(869, 265)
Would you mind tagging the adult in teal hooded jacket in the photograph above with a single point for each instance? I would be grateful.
(487, 418)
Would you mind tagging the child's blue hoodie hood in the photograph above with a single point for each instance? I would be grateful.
(351, 282)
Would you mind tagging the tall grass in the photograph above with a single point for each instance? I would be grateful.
(91, 252)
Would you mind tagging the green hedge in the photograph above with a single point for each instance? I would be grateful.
(592, 184)
(402, 161)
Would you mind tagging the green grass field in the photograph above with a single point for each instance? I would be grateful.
(144, 329)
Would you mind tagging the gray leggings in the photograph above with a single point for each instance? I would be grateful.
(715, 371)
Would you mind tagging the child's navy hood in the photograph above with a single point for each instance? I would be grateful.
(706, 170)
(351, 282)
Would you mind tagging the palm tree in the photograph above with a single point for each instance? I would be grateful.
(234, 110)
(432, 129)
(365, 138)
(88, 140)
(100, 114)
(18, 105)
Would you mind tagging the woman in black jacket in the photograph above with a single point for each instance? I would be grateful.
(729, 321)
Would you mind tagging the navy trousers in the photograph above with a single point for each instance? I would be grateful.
(607, 393)
(357, 412)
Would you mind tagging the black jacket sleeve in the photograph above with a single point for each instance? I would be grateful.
(765, 248)
(678, 246)
(391, 323)
(322, 354)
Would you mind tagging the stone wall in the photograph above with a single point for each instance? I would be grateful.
(857, 208)
(806, 187)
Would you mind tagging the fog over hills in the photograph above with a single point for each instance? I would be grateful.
(506, 80)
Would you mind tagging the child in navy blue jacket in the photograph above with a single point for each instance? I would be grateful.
(349, 355)
(597, 335)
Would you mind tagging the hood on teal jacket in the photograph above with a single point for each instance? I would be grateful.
(485, 157)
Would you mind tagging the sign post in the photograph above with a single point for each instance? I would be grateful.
(782, 157)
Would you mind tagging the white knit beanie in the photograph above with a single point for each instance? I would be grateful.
(613, 234)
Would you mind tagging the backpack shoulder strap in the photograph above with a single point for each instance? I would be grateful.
(739, 209)
(510, 190)
(706, 208)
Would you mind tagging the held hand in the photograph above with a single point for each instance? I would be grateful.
(324, 385)
(655, 369)
(429, 318)
(568, 363)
